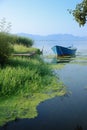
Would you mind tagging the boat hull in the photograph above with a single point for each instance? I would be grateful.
(64, 51)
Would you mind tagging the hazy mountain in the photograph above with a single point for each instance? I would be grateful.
(53, 37)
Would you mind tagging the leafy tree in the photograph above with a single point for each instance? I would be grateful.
(80, 13)
(5, 26)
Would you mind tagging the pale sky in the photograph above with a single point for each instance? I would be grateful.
(41, 17)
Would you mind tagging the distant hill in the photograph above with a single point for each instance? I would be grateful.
(53, 37)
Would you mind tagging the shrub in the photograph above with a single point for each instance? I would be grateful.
(5, 47)
(24, 41)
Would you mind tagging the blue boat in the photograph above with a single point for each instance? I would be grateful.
(64, 51)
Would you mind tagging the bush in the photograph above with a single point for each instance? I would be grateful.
(5, 47)
(24, 41)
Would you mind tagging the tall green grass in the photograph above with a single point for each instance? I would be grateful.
(19, 48)
(24, 83)
(22, 75)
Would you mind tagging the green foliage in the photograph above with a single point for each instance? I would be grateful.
(80, 12)
(24, 76)
(19, 48)
(5, 47)
(26, 84)
(23, 41)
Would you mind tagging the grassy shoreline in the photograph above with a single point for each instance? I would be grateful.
(24, 83)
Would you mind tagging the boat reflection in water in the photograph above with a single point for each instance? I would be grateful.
(63, 59)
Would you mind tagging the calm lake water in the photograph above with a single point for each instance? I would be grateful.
(47, 45)
(67, 112)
